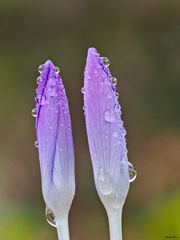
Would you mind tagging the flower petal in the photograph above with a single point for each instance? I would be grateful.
(54, 135)
(105, 130)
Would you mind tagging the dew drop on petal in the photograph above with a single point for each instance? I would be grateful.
(109, 116)
(82, 90)
(33, 112)
(40, 68)
(114, 81)
(132, 172)
(117, 108)
(104, 183)
(115, 134)
(52, 81)
(109, 95)
(50, 217)
(38, 80)
(57, 70)
(117, 94)
(36, 144)
(106, 61)
(52, 92)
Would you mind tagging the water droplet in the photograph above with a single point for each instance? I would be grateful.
(106, 61)
(57, 70)
(51, 127)
(115, 134)
(117, 201)
(117, 94)
(40, 68)
(82, 90)
(52, 81)
(114, 81)
(117, 108)
(36, 144)
(132, 172)
(52, 92)
(33, 112)
(104, 183)
(106, 81)
(39, 79)
(50, 217)
(109, 116)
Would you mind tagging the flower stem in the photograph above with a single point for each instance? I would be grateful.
(115, 225)
(63, 228)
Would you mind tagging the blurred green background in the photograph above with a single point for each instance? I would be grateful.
(142, 41)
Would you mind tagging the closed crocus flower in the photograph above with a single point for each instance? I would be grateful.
(106, 136)
(55, 146)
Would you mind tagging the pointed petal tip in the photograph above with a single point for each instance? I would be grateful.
(48, 62)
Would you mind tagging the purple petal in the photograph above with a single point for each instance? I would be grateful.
(105, 130)
(54, 135)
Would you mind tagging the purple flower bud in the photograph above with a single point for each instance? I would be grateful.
(55, 143)
(106, 133)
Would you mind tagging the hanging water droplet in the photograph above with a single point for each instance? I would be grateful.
(117, 94)
(106, 61)
(117, 201)
(33, 112)
(104, 183)
(39, 79)
(117, 108)
(132, 172)
(50, 217)
(40, 68)
(57, 70)
(109, 116)
(36, 144)
(82, 90)
(114, 81)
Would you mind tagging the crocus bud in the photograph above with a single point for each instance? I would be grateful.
(106, 137)
(55, 145)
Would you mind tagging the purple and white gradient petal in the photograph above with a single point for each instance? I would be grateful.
(55, 143)
(106, 134)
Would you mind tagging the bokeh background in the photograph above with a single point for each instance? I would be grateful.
(142, 41)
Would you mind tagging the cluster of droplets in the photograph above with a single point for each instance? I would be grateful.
(42, 100)
(50, 217)
(41, 67)
(106, 186)
(104, 181)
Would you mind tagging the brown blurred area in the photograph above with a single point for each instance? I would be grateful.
(142, 41)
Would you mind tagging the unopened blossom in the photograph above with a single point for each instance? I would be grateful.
(106, 136)
(55, 145)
